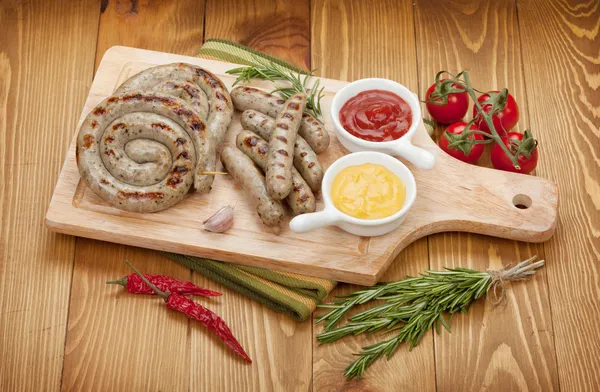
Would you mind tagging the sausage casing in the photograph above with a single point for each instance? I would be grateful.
(245, 98)
(281, 147)
(252, 181)
(193, 84)
(305, 159)
(301, 199)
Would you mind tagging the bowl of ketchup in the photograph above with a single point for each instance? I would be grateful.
(379, 115)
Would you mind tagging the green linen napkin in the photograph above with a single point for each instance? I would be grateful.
(292, 294)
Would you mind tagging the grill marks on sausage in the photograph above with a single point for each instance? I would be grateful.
(293, 106)
(283, 126)
(280, 177)
(109, 139)
(180, 141)
(311, 165)
(94, 124)
(139, 195)
(282, 139)
(184, 155)
(112, 100)
(105, 181)
(251, 141)
(208, 78)
(110, 152)
(99, 111)
(119, 125)
(283, 152)
(288, 116)
(180, 170)
(162, 127)
(88, 140)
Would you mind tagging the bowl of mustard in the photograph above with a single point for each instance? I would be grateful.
(365, 193)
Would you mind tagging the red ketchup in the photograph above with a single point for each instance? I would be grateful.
(376, 116)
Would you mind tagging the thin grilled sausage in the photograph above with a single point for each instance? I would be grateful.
(252, 181)
(311, 129)
(185, 80)
(281, 147)
(305, 159)
(301, 199)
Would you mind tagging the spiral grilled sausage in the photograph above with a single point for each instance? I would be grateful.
(139, 151)
(203, 90)
(300, 199)
(305, 159)
(245, 98)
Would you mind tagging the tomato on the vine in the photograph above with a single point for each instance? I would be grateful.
(505, 119)
(452, 111)
(464, 148)
(522, 144)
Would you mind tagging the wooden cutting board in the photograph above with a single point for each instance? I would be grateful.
(454, 196)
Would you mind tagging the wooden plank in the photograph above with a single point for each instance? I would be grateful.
(560, 60)
(280, 347)
(279, 28)
(127, 341)
(169, 26)
(46, 61)
(508, 347)
(352, 40)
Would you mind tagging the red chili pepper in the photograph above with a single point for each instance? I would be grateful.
(197, 312)
(134, 284)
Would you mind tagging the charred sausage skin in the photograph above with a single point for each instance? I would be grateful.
(281, 147)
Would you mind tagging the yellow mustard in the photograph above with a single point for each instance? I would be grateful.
(368, 191)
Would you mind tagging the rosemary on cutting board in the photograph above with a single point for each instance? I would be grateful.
(414, 305)
(297, 83)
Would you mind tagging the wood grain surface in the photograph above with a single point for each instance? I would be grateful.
(523, 359)
(44, 79)
(543, 338)
(279, 346)
(350, 23)
(563, 55)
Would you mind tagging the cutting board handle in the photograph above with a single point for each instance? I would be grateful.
(483, 200)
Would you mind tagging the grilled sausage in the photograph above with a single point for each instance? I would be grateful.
(305, 159)
(301, 199)
(139, 151)
(183, 79)
(281, 147)
(311, 129)
(252, 182)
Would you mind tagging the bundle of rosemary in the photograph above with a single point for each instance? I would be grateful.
(414, 305)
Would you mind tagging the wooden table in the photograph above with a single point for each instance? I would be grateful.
(61, 327)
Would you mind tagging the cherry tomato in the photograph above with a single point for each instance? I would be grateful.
(459, 152)
(503, 121)
(451, 112)
(512, 140)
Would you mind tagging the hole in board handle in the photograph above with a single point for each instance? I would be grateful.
(521, 201)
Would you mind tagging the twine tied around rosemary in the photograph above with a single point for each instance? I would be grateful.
(522, 271)
(408, 308)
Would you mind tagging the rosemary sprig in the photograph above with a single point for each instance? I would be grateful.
(297, 83)
(414, 305)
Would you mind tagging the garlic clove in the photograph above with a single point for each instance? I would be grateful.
(220, 221)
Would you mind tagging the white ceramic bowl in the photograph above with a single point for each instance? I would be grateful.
(402, 147)
(331, 216)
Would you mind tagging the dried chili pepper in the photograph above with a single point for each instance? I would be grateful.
(197, 312)
(134, 284)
